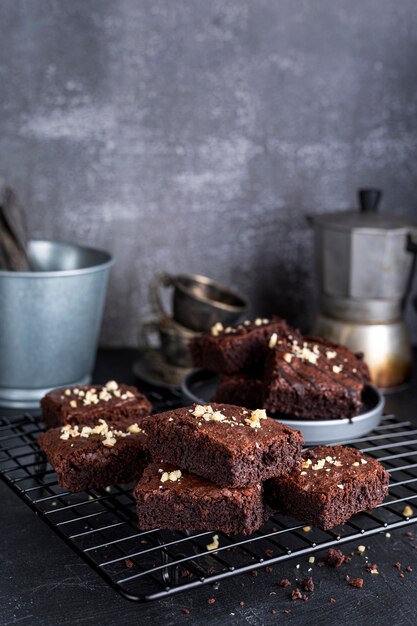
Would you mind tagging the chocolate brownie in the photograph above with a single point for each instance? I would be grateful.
(174, 499)
(232, 446)
(314, 379)
(241, 389)
(332, 484)
(86, 457)
(117, 404)
(233, 349)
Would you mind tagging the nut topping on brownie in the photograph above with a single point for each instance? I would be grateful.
(242, 347)
(208, 415)
(110, 435)
(120, 405)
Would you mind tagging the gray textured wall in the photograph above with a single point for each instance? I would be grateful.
(193, 135)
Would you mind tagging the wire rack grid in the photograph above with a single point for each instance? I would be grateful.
(101, 524)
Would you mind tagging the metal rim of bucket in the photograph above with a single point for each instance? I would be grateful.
(107, 261)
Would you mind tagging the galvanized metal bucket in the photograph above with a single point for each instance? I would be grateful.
(50, 320)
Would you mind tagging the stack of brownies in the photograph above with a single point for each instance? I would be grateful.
(214, 467)
(267, 363)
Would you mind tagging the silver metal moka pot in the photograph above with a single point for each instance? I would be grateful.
(365, 262)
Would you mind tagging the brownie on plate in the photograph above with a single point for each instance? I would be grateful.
(332, 484)
(232, 446)
(232, 349)
(241, 389)
(86, 457)
(174, 499)
(117, 404)
(314, 379)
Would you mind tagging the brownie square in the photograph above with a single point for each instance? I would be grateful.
(314, 379)
(177, 500)
(92, 457)
(232, 446)
(233, 349)
(332, 484)
(241, 389)
(117, 404)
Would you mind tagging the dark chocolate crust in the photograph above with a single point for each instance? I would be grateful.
(117, 409)
(85, 463)
(241, 389)
(194, 503)
(230, 452)
(325, 499)
(238, 348)
(326, 387)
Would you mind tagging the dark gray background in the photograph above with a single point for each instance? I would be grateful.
(193, 135)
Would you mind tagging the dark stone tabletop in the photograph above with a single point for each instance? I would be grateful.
(43, 582)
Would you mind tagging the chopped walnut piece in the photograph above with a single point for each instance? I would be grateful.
(216, 329)
(408, 511)
(337, 369)
(254, 421)
(214, 544)
(171, 476)
(134, 429)
(73, 404)
(111, 385)
(273, 341)
(67, 392)
(109, 442)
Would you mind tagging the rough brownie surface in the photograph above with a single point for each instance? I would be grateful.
(118, 404)
(240, 389)
(333, 484)
(232, 349)
(227, 444)
(175, 499)
(314, 379)
(83, 458)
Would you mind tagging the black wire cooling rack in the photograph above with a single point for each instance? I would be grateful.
(101, 526)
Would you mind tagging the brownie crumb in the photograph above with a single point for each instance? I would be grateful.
(269, 552)
(254, 573)
(409, 569)
(307, 584)
(186, 611)
(284, 582)
(273, 611)
(356, 582)
(401, 575)
(129, 563)
(335, 558)
(268, 570)
(331, 600)
(211, 600)
(286, 611)
(397, 565)
(241, 603)
(297, 595)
